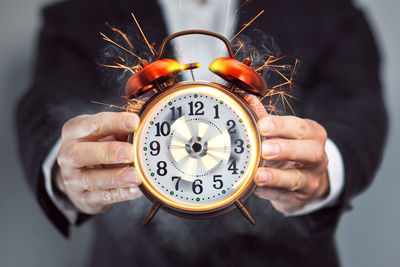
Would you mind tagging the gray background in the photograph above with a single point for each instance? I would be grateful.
(367, 236)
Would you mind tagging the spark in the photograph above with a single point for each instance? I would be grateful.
(132, 105)
(105, 37)
(118, 65)
(126, 68)
(247, 24)
(240, 46)
(268, 62)
(241, 6)
(109, 106)
(120, 33)
(152, 50)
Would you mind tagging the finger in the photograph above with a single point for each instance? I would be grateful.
(101, 179)
(282, 200)
(101, 198)
(257, 107)
(94, 153)
(289, 179)
(274, 194)
(99, 125)
(309, 151)
(290, 127)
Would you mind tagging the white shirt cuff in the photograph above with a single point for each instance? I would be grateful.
(64, 206)
(336, 181)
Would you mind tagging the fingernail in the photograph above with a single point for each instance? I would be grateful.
(130, 175)
(267, 126)
(131, 122)
(264, 176)
(125, 153)
(270, 149)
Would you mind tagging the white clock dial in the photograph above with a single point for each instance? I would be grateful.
(196, 146)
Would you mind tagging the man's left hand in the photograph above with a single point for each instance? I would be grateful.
(295, 169)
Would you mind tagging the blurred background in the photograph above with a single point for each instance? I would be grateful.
(369, 235)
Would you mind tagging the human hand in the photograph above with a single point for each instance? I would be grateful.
(295, 169)
(92, 161)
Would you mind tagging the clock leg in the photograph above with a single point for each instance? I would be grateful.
(150, 214)
(246, 213)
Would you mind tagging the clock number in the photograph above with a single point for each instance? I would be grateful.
(163, 128)
(232, 167)
(199, 105)
(173, 115)
(216, 112)
(162, 168)
(196, 186)
(155, 148)
(239, 149)
(231, 124)
(219, 181)
(177, 182)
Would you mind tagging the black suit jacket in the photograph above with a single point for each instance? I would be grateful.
(338, 84)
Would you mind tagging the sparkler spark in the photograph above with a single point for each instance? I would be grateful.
(247, 25)
(105, 37)
(132, 105)
(152, 50)
(120, 33)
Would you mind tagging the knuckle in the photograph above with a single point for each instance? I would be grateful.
(87, 182)
(72, 154)
(301, 127)
(314, 185)
(96, 123)
(319, 154)
(323, 134)
(108, 196)
(296, 183)
(119, 194)
(320, 132)
(325, 163)
(289, 149)
(61, 157)
(67, 127)
(110, 151)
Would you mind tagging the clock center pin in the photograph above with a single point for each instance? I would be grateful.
(197, 147)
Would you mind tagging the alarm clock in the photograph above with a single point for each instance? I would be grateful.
(197, 146)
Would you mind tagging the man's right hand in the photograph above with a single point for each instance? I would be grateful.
(90, 158)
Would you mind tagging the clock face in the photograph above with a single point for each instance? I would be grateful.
(197, 147)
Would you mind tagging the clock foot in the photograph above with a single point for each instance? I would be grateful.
(150, 214)
(246, 213)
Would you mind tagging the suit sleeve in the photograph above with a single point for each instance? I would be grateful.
(346, 98)
(64, 81)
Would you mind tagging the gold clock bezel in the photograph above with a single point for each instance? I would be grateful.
(241, 108)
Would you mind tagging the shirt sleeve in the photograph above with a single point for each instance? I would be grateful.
(64, 205)
(336, 181)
